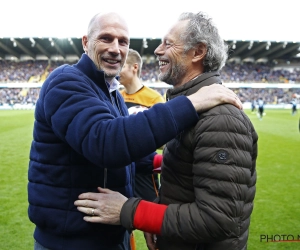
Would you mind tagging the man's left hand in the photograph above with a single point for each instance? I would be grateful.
(103, 207)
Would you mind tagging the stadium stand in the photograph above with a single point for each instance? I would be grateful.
(37, 71)
(24, 73)
(254, 69)
(51, 48)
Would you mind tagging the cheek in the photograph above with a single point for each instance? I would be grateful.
(123, 72)
(176, 57)
(127, 74)
(98, 48)
(175, 54)
(124, 52)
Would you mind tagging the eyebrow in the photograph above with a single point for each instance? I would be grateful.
(109, 34)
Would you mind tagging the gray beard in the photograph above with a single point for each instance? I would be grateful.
(173, 75)
(109, 75)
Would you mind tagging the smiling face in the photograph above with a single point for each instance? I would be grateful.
(107, 43)
(175, 65)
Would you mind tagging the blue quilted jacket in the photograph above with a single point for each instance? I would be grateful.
(83, 138)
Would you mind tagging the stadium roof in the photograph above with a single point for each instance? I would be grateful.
(69, 49)
(264, 20)
(54, 29)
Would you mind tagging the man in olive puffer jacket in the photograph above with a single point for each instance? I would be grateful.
(208, 173)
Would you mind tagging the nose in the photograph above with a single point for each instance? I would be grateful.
(158, 50)
(114, 47)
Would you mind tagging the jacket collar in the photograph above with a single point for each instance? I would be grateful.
(87, 66)
(194, 85)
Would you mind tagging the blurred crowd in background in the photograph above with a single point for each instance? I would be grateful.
(247, 72)
(11, 71)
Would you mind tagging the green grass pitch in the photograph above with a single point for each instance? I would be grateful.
(277, 202)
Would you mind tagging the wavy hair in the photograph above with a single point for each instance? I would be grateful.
(201, 29)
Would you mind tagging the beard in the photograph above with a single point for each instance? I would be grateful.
(108, 73)
(173, 75)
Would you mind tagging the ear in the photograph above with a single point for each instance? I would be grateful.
(135, 67)
(200, 52)
(85, 44)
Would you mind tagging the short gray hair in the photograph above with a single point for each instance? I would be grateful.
(201, 29)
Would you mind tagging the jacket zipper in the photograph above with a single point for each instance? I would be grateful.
(105, 169)
(105, 178)
(116, 103)
(130, 166)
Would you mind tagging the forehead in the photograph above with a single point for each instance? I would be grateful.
(111, 24)
(176, 30)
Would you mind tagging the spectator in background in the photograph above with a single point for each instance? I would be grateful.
(208, 173)
(139, 97)
(84, 138)
(253, 105)
(22, 71)
(294, 106)
(11, 71)
(260, 108)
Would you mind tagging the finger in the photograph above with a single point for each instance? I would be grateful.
(93, 219)
(222, 89)
(84, 210)
(105, 190)
(233, 98)
(85, 203)
(81, 203)
(238, 101)
(100, 219)
(89, 196)
(235, 101)
(88, 210)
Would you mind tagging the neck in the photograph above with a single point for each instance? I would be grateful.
(134, 86)
(188, 78)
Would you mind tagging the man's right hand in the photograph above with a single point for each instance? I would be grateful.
(210, 96)
(103, 207)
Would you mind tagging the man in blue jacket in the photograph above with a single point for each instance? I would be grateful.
(83, 138)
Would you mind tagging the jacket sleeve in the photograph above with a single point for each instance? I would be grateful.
(145, 164)
(148, 164)
(84, 121)
(225, 151)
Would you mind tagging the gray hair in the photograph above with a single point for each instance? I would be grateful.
(201, 29)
